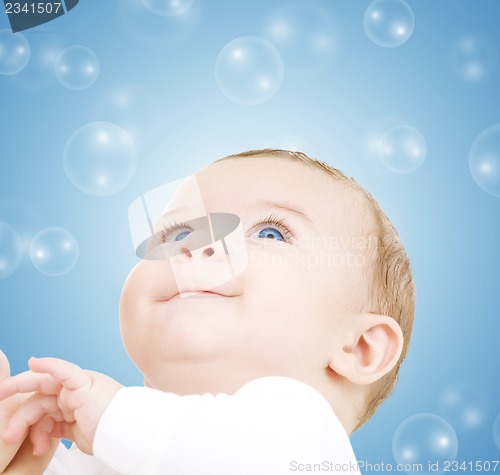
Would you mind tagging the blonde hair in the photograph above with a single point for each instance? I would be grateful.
(393, 290)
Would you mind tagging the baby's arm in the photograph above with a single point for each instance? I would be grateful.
(263, 428)
(69, 403)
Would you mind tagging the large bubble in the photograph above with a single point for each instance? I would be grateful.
(465, 406)
(472, 59)
(305, 35)
(100, 159)
(389, 23)
(496, 431)
(15, 52)
(402, 149)
(424, 439)
(168, 7)
(249, 70)
(134, 110)
(484, 160)
(76, 67)
(11, 250)
(54, 251)
(292, 143)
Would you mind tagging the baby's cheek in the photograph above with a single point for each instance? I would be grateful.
(135, 294)
(150, 279)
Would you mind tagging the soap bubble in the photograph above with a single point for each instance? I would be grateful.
(134, 110)
(11, 250)
(168, 7)
(249, 70)
(15, 52)
(54, 251)
(76, 67)
(402, 149)
(472, 59)
(292, 143)
(484, 160)
(496, 431)
(465, 406)
(389, 23)
(424, 439)
(100, 159)
(305, 35)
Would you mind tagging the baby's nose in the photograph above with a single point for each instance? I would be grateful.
(206, 252)
(210, 256)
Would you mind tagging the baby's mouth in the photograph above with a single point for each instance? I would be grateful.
(198, 293)
(189, 294)
(229, 290)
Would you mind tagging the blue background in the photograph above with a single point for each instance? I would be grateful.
(451, 228)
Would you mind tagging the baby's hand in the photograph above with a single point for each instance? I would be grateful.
(68, 403)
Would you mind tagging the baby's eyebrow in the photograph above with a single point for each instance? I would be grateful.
(264, 203)
(288, 207)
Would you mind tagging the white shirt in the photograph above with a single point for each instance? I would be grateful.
(271, 426)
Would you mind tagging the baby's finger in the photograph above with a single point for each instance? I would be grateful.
(28, 414)
(70, 375)
(39, 435)
(62, 430)
(28, 382)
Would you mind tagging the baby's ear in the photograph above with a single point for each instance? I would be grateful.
(372, 346)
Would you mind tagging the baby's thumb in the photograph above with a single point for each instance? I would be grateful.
(4, 366)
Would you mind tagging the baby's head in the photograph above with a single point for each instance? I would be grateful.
(326, 297)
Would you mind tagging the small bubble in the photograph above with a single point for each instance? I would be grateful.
(11, 250)
(472, 59)
(484, 160)
(402, 149)
(100, 159)
(389, 23)
(465, 406)
(249, 70)
(422, 438)
(305, 34)
(54, 251)
(76, 67)
(15, 52)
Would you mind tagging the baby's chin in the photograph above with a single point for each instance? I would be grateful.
(199, 378)
(214, 370)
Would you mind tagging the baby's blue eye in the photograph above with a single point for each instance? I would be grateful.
(270, 233)
(181, 236)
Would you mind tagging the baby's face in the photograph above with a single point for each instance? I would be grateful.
(283, 313)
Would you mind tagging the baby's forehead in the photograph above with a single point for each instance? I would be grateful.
(331, 203)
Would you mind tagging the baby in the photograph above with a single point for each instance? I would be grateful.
(265, 369)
